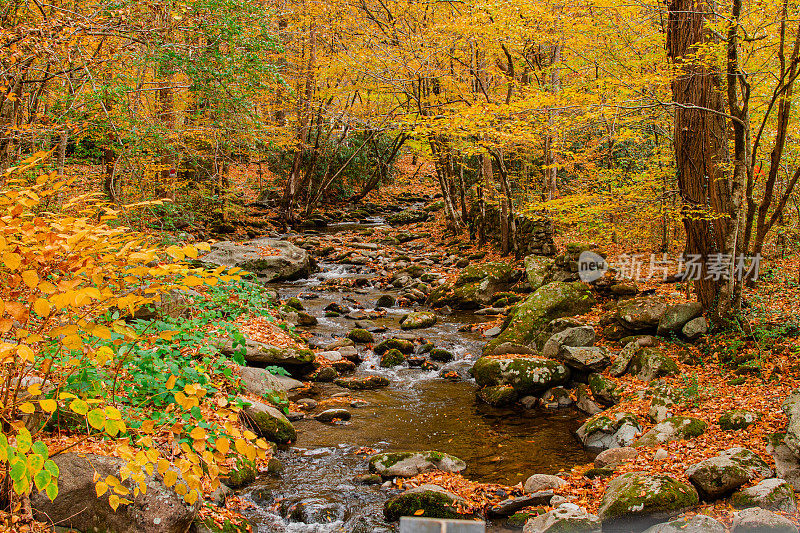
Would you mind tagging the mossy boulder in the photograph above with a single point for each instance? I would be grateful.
(719, 476)
(241, 474)
(409, 464)
(695, 524)
(392, 358)
(440, 355)
(475, 286)
(418, 320)
(268, 422)
(676, 316)
(649, 363)
(432, 500)
(604, 432)
(604, 390)
(554, 300)
(265, 354)
(641, 314)
(394, 344)
(362, 382)
(737, 419)
(409, 216)
(564, 519)
(294, 303)
(772, 494)
(538, 270)
(498, 396)
(527, 375)
(636, 500)
(757, 520)
(360, 336)
(673, 428)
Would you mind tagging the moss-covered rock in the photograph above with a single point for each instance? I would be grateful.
(392, 358)
(649, 363)
(604, 389)
(642, 499)
(432, 500)
(409, 216)
(554, 300)
(737, 419)
(641, 314)
(475, 287)
(566, 519)
(268, 422)
(772, 494)
(443, 356)
(603, 432)
(241, 474)
(719, 476)
(295, 303)
(498, 396)
(418, 320)
(363, 382)
(394, 344)
(527, 375)
(409, 464)
(538, 270)
(360, 336)
(673, 428)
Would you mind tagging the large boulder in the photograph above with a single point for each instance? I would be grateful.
(696, 524)
(567, 518)
(527, 375)
(773, 494)
(418, 320)
(475, 286)
(268, 422)
(584, 358)
(637, 500)
(649, 363)
(641, 314)
(755, 520)
(430, 501)
(540, 482)
(537, 269)
(409, 216)
(737, 419)
(721, 475)
(409, 464)
(673, 428)
(695, 328)
(157, 510)
(266, 354)
(263, 383)
(554, 300)
(577, 336)
(604, 432)
(268, 259)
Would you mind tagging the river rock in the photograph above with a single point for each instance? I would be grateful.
(641, 314)
(262, 382)
(475, 286)
(556, 398)
(440, 355)
(409, 464)
(267, 422)
(511, 505)
(566, 518)
(537, 270)
(721, 475)
(361, 336)
(409, 216)
(527, 375)
(288, 263)
(363, 382)
(386, 301)
(584, 358)
(403, 345)
(539, 482)
(603, 432)
(157, 510)
(498, 396)
(636, 500)
(755, 520)
(259, 352)
(604, 390)
(621, 361)
(578, 336)
(433, 500)
(696, 524)
(676, 316)
(584, 400)
(773, 494)
(615, 456)
(418, 320)
(554, 300)
(674, 428)
(737, 419)
(392, 358)
(329, 415)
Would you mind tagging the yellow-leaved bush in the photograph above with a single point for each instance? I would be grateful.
(71, 275)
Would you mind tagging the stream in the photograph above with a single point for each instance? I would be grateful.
(318, 492)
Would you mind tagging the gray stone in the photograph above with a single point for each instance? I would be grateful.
(157, 510)
(772, 494)
(676, 316)
(510, 506)
(696, 524)
(621, 361)
(578, 336)
(409, 464)
(695, 328)
(615, 456)
(721, 475)
(418, 320)
(329, 415)
(737, 419)
(755, 520)
(289, 263)
(636, 500)
(267, 422)
(259, 352)
(585, 358)
(674, 428)
(567, 518)
(649, 363)
(415, 524)
(539, 482)
(641, 314)
(603, 432)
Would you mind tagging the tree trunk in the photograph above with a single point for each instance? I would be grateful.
(701, 151)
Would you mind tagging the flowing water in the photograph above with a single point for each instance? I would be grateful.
(317, 491)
